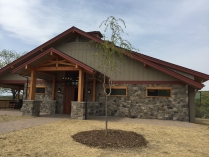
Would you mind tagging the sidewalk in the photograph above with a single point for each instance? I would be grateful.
(6, 127)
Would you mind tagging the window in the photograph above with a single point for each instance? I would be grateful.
(117, 91)
(158, 92)
(39, 89)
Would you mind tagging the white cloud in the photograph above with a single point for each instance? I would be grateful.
(175, 31)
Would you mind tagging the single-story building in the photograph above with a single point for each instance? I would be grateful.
(60, 76)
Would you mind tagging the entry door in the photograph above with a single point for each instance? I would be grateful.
(70, 95)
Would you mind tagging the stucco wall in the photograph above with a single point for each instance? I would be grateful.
(137, 105)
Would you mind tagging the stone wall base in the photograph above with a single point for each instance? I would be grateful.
(78, 109)
(31, 107)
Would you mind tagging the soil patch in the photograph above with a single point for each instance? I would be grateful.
(114, 139)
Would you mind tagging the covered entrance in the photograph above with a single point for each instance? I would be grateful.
(57, 68)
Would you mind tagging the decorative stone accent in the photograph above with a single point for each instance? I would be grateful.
(31, 107)
(77, 110)
(137, 105)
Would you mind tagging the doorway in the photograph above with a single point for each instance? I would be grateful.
(71, 94)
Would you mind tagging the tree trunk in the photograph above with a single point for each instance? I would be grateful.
(106, 115)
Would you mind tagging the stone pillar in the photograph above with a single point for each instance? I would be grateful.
(31, 107)
(191, 92)
(78, 110)
(49, 107)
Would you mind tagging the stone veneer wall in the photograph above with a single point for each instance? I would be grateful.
(59, 97)
(48, 105)
(93, 109)
(31, 107)
(136, 105)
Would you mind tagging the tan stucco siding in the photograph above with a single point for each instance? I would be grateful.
(128, 69)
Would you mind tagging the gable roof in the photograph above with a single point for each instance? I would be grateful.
(150, 61)
(57, 52)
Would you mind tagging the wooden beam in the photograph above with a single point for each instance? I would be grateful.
(53, 87)
(76, 66)
(32, 85)
(94, 90)
(145, 65)
(80, 86)
(28, 67)
(64, 68)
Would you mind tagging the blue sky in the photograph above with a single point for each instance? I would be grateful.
(176, 31)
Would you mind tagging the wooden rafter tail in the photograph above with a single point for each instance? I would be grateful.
(145, 65)
(76, 66)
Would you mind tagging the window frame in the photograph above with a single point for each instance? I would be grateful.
(159, 88)
(118, 87)
(36, 88)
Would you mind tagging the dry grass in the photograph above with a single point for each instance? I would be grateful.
(7, 118)
(55, 140)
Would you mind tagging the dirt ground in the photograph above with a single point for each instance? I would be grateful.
(113, 139)
(55, 139)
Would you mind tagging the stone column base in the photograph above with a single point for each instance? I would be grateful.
(31, 107)
(50, 106)
(78, 110)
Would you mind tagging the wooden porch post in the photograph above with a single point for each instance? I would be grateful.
(80, 86)
(32, 85)
(94, 90)
(53, 87)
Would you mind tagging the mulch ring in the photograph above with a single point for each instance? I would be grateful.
(114, 139)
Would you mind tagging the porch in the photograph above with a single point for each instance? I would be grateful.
(55, 79)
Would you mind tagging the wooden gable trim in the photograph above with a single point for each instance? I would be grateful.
(42, 47)
(62, 55)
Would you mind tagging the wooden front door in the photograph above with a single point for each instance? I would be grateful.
(71, 94)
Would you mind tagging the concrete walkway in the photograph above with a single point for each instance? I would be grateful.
(6, 127)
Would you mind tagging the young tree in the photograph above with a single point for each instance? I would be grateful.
(6, 57)
(108, 53)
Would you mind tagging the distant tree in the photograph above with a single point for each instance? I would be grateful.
(109, 51)
(6, 57)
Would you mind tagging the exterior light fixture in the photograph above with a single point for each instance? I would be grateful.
(89, 91)
(59, 90)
